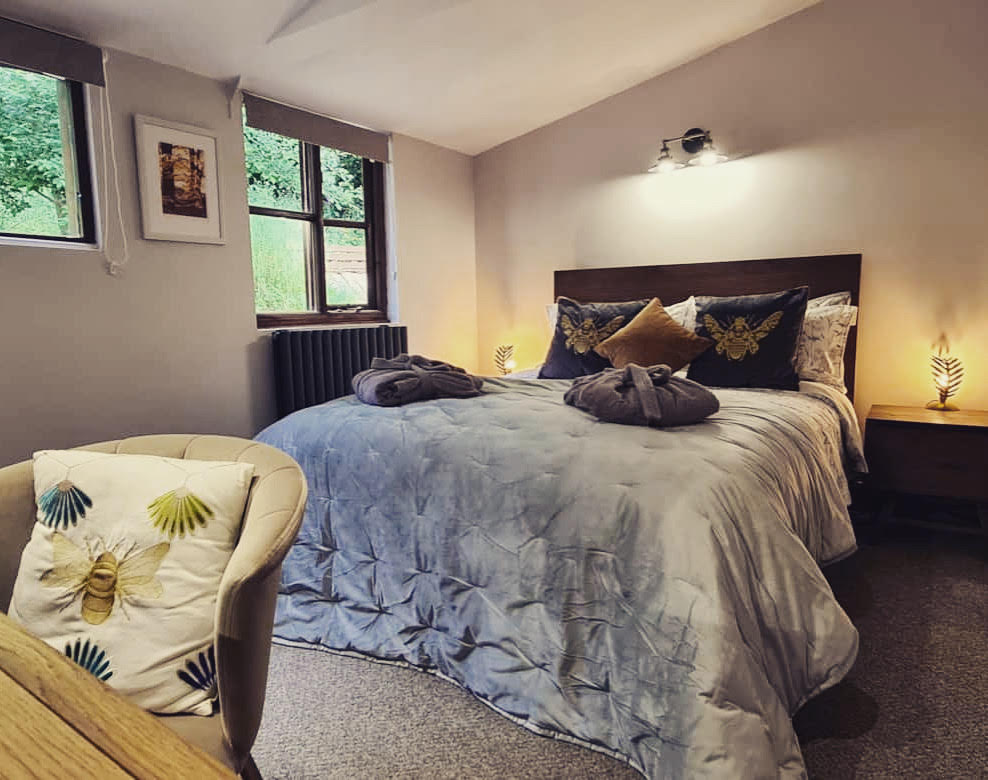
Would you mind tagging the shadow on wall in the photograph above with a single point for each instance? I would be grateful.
(260, 382)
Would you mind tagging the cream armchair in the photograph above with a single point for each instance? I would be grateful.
(245, 607)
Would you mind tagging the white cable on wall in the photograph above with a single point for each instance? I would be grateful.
(113, 267)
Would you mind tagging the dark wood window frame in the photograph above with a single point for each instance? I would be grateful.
(376, 309)
(84, 176)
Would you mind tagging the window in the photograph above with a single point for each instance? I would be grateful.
(45, 182)
(316, 232)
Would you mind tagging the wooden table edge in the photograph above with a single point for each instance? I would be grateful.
(132, 738)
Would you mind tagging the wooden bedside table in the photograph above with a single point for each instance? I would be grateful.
(918, 451)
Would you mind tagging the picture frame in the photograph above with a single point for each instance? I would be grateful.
(178, 177)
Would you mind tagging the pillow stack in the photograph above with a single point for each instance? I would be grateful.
(590, 337)
(757, 341)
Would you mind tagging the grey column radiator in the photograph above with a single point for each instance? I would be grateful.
(314, 366)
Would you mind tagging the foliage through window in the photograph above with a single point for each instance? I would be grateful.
(45, 182)
(316, 232)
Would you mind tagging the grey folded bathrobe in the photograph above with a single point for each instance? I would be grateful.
(642, 396)
(409, 378)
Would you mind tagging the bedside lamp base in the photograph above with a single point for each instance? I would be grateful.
(941, 406)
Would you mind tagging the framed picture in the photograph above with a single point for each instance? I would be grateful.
(179, 182)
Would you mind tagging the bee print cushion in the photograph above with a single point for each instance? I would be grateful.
(580, 327)
(755, 338)
(123, 568)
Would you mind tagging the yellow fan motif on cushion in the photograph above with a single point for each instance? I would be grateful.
(585, 336)
(738, 338)
(179, 512)
(103, 578)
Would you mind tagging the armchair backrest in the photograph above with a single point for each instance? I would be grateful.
(246, 599)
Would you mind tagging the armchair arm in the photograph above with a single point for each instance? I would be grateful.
(17, 515)
(245, 607)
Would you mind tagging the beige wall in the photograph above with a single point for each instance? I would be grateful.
(435, 250)
(168, 346)
(860, 126)
(172, 344)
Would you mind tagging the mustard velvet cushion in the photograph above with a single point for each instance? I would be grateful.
(123, 569)
(651, 338)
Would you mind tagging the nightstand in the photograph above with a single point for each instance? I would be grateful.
(916, 451)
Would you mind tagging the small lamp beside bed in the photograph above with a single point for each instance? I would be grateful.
(504, 359)
(948, 371)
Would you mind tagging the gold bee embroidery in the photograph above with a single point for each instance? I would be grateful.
(112, 574)
(738, 338)
(585, 336)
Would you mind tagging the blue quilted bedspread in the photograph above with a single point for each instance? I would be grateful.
(652, 593)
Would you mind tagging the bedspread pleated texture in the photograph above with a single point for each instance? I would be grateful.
(652, 592)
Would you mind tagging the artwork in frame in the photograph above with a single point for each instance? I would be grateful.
(179, 182)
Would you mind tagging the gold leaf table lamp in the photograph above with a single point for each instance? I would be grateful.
(948, 371)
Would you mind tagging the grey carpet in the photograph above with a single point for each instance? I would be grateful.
(914, 705)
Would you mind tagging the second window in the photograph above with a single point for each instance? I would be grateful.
(316, 228)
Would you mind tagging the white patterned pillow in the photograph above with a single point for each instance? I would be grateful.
(831, 299)
(123, 569)
(820, 352)
(684, 313)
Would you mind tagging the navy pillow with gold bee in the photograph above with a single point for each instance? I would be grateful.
(755, 339)
(579, 328)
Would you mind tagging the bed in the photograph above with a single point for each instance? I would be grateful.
(652, 594)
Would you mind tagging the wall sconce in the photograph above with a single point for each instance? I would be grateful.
(697, 143)
(947, 375)
(504, 358)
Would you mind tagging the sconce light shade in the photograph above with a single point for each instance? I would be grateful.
(664, 163)
(947, 375)
(708, 155)
(504, 359)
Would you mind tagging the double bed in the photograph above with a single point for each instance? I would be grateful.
(652, 594)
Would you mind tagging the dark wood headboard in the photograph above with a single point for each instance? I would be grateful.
(824, 274)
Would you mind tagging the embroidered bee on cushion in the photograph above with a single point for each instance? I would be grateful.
(102, 575)
(584, 337)
(737, 338)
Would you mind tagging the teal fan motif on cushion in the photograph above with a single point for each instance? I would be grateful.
(179, 512)
(90, 657)
(200, 672)
(63, 504)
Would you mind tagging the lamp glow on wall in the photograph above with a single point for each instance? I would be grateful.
(948, 371)
(697, 143)
(504, 359)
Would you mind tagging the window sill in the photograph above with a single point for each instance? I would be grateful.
(48, 243)
(306, 319)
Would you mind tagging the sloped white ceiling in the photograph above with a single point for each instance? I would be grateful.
(465, 74)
